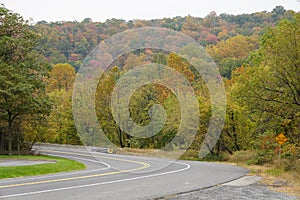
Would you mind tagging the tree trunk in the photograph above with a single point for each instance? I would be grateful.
(18, 145)
(120, 137)
(2, 138)
(10, 133)
(234, 132)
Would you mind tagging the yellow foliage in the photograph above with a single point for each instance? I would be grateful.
(62, 76)
(235, 47)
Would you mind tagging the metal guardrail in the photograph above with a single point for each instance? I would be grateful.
(40, 146)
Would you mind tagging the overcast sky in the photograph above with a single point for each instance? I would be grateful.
(100, 10)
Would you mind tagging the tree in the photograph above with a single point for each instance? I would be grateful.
(236, 47)
(62, 76)
(60, 124)
(191, 27)
(22, 89)
(278, 12)
(270, 87)
(231, 53)
(87, 20)
(238, 128)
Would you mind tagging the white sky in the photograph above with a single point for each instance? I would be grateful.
(100, 10)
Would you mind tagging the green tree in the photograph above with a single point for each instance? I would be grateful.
(270, 88)
(238, 127)
(22, 89)
(103, 109)
(60, 124)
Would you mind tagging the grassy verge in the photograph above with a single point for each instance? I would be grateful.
(60, 165)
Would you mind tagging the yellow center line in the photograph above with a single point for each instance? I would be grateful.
(144, 166)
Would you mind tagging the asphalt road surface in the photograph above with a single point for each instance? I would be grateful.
(111, 176)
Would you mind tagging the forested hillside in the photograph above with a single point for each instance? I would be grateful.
(258, 56)
(71, 41)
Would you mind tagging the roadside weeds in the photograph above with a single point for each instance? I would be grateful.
(276, 180)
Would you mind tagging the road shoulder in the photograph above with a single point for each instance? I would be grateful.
(246, 188)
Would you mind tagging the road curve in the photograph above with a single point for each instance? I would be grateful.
(110, 176)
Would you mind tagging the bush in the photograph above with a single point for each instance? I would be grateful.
(265, 146)
(290, 151)
(284, 164)
(190, 154)
(262, 157)
(242, 156)
(216, 157)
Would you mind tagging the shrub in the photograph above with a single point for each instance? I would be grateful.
(242, 156)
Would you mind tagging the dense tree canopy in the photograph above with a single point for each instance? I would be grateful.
(257, 55)
(270, 86)
(231, 53)
(71, 41)
(22, 90)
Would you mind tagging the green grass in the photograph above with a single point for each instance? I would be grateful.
(274, 172)
(60, 165)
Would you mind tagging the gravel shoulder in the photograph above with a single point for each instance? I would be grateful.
(246, 188)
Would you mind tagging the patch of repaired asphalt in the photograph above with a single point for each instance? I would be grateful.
(245, 188)
(10, 163)
(244, 181)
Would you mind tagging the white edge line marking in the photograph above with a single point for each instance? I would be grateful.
(103, 183)
(62, 173)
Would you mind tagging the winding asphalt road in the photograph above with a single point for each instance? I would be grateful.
(111, 176)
